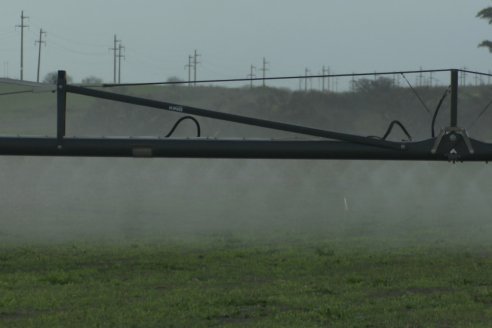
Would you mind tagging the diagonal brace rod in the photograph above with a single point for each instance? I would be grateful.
(233, 118)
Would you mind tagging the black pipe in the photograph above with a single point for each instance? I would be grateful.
(229, 148)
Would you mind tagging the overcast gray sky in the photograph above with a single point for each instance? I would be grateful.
(347, 35)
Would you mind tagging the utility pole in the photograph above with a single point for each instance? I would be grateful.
(329, 81)
(115, 57)
(421, 78)
(189, 67)
(40, 42)
(195, 65)
(396, 80)
(252, 75)
(323, 79)
(463, 77)
(22, 26)
(326, 71)
(264, 69)
(306, 73)
(120, 55)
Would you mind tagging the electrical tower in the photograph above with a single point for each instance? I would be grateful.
(120, 56)
(22, 26)
(115, 50)
(420, 78)
(324, 72)
(40, 42)
(252, 75)
(189, 67)
(264, 69)
(306, 74)
(396, 80)
(463, 77)
(195, 65)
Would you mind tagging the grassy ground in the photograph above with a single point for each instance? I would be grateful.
(233, 281)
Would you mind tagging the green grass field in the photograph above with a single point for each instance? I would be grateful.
(228, 281)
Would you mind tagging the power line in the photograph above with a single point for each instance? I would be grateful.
(8, 36)
(6, 69)
(334, 76)
(22, 27)
(63, 47)
(76, 42)
(40, 42)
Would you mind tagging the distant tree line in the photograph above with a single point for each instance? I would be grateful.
(52, 77)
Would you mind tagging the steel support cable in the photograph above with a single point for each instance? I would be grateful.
(293, 77)
(10, 93)
(484, 110)
(416, 93)
(15, 92)
(475, 72)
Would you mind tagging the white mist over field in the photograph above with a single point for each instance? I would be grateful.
(64, 199)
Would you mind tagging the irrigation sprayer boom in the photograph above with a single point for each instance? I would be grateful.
(451, 144)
